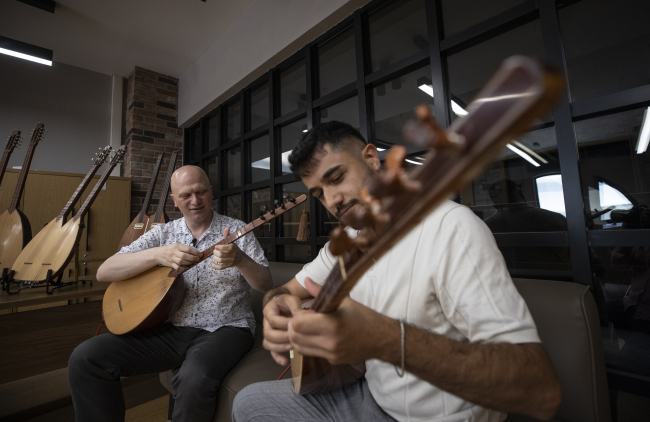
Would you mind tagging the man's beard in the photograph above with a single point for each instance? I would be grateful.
(352, 202)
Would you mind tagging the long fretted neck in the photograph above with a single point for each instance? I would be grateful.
(152, 185)
(165, 190)
(206, 253)
(75, 196)
(93, 194)
(22, 177)
(7, 153)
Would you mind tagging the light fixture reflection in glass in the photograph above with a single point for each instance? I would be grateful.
(413, 162)
(265, 163)
(428, 89)
(523, 155)
(644, 134)
(25, 57)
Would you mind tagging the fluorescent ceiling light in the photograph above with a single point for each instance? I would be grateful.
(428, 89)
(305, 131)
(381, 149)
(413, 162)
(523, 155)
(529, 151)
(644, 135)
(25, 51)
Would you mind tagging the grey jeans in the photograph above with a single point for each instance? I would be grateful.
(276, 401)
(96, 365)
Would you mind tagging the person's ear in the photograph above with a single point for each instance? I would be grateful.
(370, 156)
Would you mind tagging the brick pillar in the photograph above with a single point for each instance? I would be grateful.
(151, 129)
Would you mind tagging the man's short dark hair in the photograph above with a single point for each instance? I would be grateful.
(337, 135)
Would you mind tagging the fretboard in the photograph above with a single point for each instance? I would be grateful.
(93, 194)
(22, 177)
(75, 196)
(152, 185)
(162, 202)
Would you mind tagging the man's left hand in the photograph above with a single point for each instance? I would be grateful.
(351, 334)
(226, 256)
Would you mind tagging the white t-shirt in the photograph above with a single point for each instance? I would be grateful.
(446, 276)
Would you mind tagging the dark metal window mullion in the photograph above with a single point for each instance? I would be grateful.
(273, 150)
(441, 101)
(567, 150)
(362, 55)
(312, 76)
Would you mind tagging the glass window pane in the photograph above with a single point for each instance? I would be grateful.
(261, 204)
(615, 170)
(521, 190)
(289, 137)
(346, 111)
(293, 88)
(213, 132)
(622, 293)
(394, 102)
(459, 15)
(606, 45)
(298, 254)
(470, 69)
(397, 31)
(196, 142)
(289, 222)
(337, 63)
(259, 160)
(268, 251)
(259, 100)
(213, 175)
(233, 206)
(233, 168)
(234, 121)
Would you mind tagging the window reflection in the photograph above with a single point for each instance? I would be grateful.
(550, 193)
(622, 292)
(259, 101)
(459, 15)
(233, 168)
(289, 137)
(346, 111)
(615, 170)
(289, 222)
(196, 143)
(470, 69)
(606, 45)
(397, 31)
(213, 132)
(213, 175)
(394, 102)
(261, 204)
(259, 160)
(337, 63)
(293, 88)
(234, 121)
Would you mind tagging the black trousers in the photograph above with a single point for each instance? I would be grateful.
(96, 365)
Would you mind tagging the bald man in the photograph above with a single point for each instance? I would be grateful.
(206, 337)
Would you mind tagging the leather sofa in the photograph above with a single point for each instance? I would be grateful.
(567, 322)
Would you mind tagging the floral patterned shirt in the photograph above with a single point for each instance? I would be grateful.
(213, 298)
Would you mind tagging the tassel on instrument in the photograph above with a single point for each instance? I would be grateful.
(302, 228)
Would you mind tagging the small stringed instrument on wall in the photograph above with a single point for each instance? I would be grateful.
(13, 142)
(56, 244)
(15, 230)
(139, 224)
(396, 201)
(151, 297)
(161, 216)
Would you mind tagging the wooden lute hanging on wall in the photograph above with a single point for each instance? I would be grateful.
(13, 142)
(59, 241)
(15, 230)
(160, 217)
(151, 297)
(139, 224)
(396, 201)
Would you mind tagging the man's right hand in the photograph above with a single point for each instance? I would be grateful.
(178, 255)
(277, 314)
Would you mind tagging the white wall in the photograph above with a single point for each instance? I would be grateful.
(74, 104)
(267, 33)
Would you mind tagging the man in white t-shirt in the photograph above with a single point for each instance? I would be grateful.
(440, 305)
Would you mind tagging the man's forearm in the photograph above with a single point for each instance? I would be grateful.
(121, 266)
(257, 275)
(516, 378)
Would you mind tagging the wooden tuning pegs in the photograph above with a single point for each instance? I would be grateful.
(426, 133)
(340, 242)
